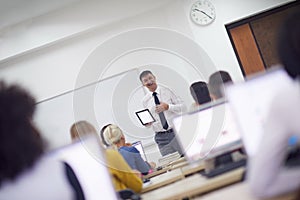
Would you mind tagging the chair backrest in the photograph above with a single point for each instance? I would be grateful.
(87, 160)
(250, 102)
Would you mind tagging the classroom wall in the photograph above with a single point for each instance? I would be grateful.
(47, 53)
(218, 46)
(55, 45)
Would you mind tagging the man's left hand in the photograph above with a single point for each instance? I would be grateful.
(161, 107)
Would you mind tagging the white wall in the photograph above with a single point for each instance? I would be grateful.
(214, 38)
(55, 45)
(47, 53)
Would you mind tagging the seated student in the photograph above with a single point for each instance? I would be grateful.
(216, 88)
(114, 136)
(122, 175)
(103, 140)
(268, 176)
(26, 172)
(200, 93)
(216, 84)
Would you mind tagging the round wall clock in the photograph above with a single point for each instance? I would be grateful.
(203, 12)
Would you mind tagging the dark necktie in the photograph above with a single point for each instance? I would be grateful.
(162, 117)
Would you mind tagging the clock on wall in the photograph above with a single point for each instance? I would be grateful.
(203, 12)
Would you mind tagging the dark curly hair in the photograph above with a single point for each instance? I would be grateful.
(20, 143)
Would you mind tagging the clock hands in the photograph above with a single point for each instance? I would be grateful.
(202, 12)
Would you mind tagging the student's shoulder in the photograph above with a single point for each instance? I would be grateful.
(129, 149)
(112, 153)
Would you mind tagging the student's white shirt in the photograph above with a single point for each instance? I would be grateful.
(47, 180)
(267, 174)
(166, 95)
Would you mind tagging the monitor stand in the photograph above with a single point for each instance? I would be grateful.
(221, 164)
(293, 157)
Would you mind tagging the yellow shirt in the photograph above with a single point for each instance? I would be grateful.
(122, 174)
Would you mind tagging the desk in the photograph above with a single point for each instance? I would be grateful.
(171, 166)
(241, 191)
(192, 168)
(163, 179)
(180, 160)
(194, 185)
(158, 172)
(179, 165)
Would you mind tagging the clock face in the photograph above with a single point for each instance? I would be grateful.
(203, 12)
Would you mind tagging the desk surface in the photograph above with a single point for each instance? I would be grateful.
(163, 179)
(159, 172)
(180, 160)
(239, 190)
(179, 165)
(171, 166)
(192, 168)
(194, 185)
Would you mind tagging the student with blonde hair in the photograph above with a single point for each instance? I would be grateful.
(114, 136)
(122, 175)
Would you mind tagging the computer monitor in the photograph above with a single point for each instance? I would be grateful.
(89, 165)
(208, 132)
(250, 102)
(140, 148)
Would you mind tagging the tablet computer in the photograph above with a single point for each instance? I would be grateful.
(145, 116)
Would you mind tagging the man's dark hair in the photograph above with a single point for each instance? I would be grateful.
(144, 73)
(289, 44)
(200, 93)
(216, 83)
(20, 143)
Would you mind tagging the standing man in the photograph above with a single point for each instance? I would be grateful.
(163, 105)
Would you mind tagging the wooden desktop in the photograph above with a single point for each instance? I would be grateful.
(163, 179)
(240, 190)
(194, 185)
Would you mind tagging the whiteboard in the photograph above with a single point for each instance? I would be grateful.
(111, 100)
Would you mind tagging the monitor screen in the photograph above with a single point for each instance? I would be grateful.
(250, 102)
(208, 132)
(88, 163)
(140, 148)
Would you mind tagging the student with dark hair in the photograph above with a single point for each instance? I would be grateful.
(216, 83)
(268, 176)
(200, 93)
(25, 173)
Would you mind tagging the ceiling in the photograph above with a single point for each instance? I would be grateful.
(15, 11)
